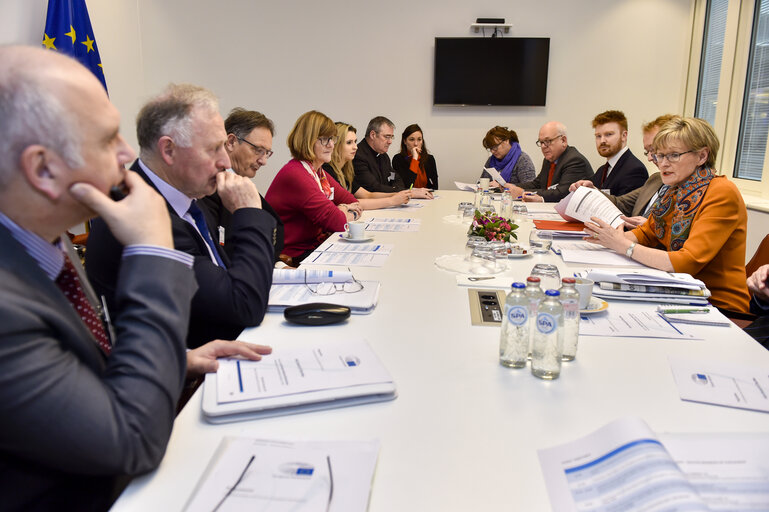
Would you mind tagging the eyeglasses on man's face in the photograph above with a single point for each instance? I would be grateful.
(386, 136)
(670, 157)
(259, 151)
(327, 141)
(546, 142)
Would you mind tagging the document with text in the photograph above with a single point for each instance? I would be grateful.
(628, 320)
(283, 476)
(585, 203)
(624, 466)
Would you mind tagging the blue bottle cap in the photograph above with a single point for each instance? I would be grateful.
(519, 285)
(552, 293)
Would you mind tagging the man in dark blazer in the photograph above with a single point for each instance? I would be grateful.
(373, 169)
(622, 172)
(181, 138)
(249, 146)
(562, 166)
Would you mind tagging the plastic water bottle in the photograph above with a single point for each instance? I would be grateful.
(547, 347)
(514, 337)
(507, 204)
(535, 295)
(570, 303)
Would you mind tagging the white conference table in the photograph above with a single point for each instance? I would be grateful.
(464, 431)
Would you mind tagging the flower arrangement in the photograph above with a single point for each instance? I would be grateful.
(492, 227)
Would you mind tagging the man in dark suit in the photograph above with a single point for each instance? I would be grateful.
(562, 166)
(81, 405)
(373, 169)
(181, 137)
(249, 146)
(622, 172)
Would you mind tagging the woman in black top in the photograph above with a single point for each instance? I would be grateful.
(414, 164)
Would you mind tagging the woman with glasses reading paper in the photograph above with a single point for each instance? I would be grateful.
(340, 167)
(311, 204)
(513, 165)
(698, 226)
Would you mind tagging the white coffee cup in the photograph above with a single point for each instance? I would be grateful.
(356, 230)
(585, 289)
(484, 183)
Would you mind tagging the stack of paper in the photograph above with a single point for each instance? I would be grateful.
(315, 375)
(585, 203)
(562, 229)
(648, 285)
(261, 474)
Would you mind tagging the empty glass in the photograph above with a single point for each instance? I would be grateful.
(540, 241)
(472, 243)
(483, 261)
(548, 275)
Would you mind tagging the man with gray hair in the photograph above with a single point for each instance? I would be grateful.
(182, 155)
(373, 169)
(82, 404)
(562, 166)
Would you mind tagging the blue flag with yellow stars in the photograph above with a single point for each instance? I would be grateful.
(68, 30)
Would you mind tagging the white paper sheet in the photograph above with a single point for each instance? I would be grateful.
(346, 259)
(288, 371)
(625, 320)
(585, 203)
(282, 276)
(469, 187)
(331, 245)
(287, 476)
(716, 383)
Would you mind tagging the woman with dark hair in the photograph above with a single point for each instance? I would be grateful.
(697, 224)
(311, 204)
(514, 165)
(414, 164)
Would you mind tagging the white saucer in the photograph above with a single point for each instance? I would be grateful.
(595, 305)
(355, 240)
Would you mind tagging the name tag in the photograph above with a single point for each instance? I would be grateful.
(331, 196)
(392, 176)
(221, 236)
(551, 187)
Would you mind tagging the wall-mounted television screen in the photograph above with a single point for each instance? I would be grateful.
(491, 71)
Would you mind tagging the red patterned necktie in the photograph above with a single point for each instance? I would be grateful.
(550, 175)
(69, 283)
(604, 175)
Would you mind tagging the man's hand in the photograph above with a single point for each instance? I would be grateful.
(633, 222)
(203, 359)
(757, 283)
(514, 190)
(533, 197)
(139, 218)
(237, 192)
(580, 183)
(421, 193)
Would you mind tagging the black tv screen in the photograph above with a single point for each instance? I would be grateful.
(491, 71)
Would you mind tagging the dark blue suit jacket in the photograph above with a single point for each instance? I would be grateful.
(228, 300)
(629, 174)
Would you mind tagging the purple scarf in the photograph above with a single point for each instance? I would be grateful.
(505, 166)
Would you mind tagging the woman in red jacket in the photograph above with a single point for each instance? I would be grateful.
(311, 204)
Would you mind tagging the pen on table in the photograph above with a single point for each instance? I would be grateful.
(682, 310)
(412, 186)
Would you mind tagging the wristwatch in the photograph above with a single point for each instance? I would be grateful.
(629, 251)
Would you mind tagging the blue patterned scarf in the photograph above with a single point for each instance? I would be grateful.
(684, 200)
(505, 166)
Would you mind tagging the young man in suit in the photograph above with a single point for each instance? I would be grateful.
(562, 166)
(636, 204)
(622, 172)
(82, 404)
(182, 155)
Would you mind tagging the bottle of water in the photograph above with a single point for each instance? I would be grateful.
(507, 204)
(514, 337)
(486, 205)
(547, 347)
(535, 295)
(570, 303)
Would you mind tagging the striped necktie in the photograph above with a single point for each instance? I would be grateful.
(200, 222)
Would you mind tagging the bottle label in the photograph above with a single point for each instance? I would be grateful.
(546, 323)
(517, 315)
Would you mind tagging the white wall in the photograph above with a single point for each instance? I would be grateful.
(353, 60)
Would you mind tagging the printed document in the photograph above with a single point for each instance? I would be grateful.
(292, 370)
(282, 276)
(346, 259)
(393, 224)
(278, 476)
(585, 203)
(585, 252)
(716, 383)
(625, 466)
(333, 245)
(628, 320)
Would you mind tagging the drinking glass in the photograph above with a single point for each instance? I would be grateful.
(550, 278)
(540, 241)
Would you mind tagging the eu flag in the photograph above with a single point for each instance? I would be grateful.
(68, 30)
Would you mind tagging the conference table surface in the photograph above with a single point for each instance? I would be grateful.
(463, 433)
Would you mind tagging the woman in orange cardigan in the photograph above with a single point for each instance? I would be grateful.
(697, 225)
